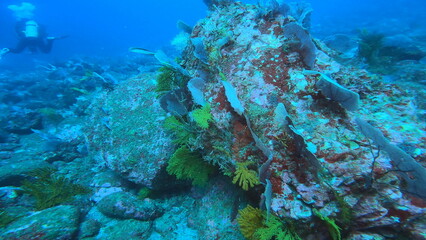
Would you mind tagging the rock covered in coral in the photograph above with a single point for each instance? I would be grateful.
(207, 213)
(320, 160)
(125, 132)
(124, 205)
(216, 215)
(59, 222)
(16, 171)
(126, 229)
(345, 46)
(89, 228)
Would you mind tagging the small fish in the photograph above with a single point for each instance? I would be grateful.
(141, 50)
(184, 27)
(106, 122)
(268, 198)
(83, 91)
(46, 136)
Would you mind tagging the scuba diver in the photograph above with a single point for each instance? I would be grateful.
(32, 36)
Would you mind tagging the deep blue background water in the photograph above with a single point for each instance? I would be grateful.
(110, 27)
(102, 27)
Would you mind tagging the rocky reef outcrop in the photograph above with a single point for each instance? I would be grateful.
(329, 148)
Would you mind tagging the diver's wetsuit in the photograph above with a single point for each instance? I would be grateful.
(32, 43)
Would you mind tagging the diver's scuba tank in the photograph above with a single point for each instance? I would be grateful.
(31, 29)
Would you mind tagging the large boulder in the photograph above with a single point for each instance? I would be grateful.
(123, 205)
(59, 222)
(125, 132)
(14, 172)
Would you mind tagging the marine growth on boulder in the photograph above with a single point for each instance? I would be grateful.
(283, 112)
(252, 131)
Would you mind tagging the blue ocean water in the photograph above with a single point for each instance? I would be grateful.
(104, 28)
(108, 28)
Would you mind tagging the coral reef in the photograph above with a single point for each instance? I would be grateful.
(319, 162)
(254, 112)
